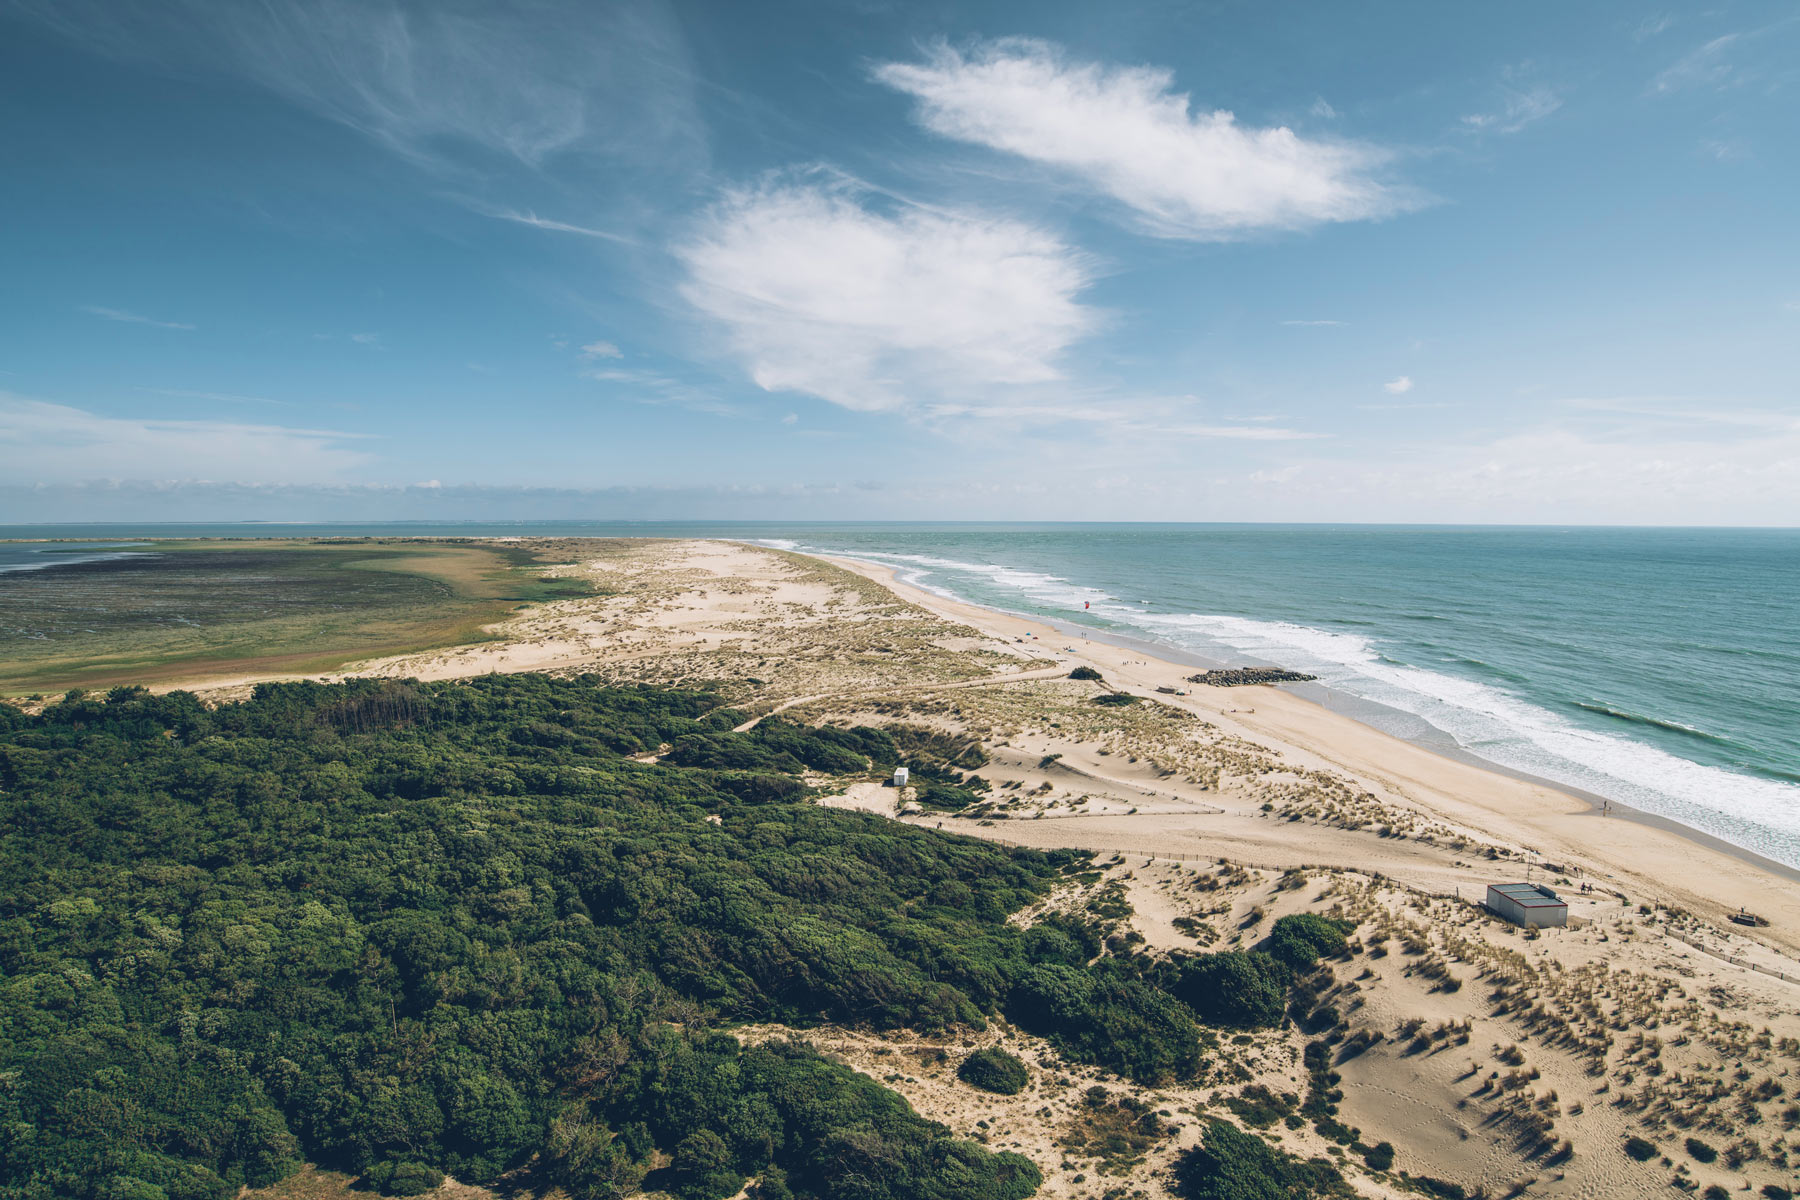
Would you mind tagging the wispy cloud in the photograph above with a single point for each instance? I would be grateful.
(219, 397)
(44, 442)
(1398, 387)
(371, 340)
(1125, 132)
(526, 80)
(1707, 65)
(601, 350)
(1679, 410)
(537, 222)
(1130, 419)
(1518, 108)
(652, 387)
(818, 292)
(1313, 322)
(119, 314)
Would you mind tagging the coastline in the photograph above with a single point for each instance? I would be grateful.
(1646, 854)
(1207, 815)
(1433, 742)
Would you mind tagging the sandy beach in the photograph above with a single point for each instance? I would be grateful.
(1505, 1062)
(1672, 864)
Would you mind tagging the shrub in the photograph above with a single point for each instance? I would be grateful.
(1699, 1151)
(403, 1178)
(1774, 1191)
(1119, 1023)
(944, 797)
(1380, 1156)
(1242, 989)
(1639, 1149)
(1086, 673)
(1302, 939)
(1441, 1188)
(1115, 699)
(1230, 1164)
(1260, 1108)
(1715, 1192)
(994, 1070)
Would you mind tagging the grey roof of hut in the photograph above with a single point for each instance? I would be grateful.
(1528, 895)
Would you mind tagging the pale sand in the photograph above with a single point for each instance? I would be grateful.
(1623, 1025)
(1647, 862)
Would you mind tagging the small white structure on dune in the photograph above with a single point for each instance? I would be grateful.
(1529, 904)
(901, 775)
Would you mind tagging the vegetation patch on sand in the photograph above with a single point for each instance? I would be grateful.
(187, 610)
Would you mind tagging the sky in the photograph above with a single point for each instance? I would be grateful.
(845, 259)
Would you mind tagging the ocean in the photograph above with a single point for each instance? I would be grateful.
(1653, 667)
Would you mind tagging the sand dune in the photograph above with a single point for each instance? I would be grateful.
(1487, 1057)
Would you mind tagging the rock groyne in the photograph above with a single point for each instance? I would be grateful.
(1244, 676)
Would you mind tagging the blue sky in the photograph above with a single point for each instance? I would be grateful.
(1163, 261)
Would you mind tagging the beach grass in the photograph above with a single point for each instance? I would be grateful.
(205, 609)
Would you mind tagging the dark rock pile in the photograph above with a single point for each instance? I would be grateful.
(1242, 676)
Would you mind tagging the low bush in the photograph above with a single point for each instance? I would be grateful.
(1699, 1151)
(1241, 989)
(994, 1070)
(1302, 939)
(1230, 1164)
(1087, 673)
(1639, 1149)
(403, 1178)
(1115, 699)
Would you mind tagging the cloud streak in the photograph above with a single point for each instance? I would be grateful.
(1517, 110)
(1127, 133)
(42, 443)
(131, 318)
(545, 223)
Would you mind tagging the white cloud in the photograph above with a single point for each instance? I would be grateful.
(817, 293)
(601, 350)
(41, 442)
(372, 340)
(791, 419)
(1518, 109)
(1398, 387)
(1126, 132)
(119, 314)
(1323, 110)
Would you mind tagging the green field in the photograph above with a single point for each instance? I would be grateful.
(191, 610)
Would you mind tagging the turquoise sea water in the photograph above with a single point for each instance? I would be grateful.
(1656, 667)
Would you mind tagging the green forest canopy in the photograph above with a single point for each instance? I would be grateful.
(406, 928)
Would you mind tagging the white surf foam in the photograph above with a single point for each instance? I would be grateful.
(1761, 815)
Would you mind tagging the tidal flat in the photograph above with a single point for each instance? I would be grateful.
(179, 611)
